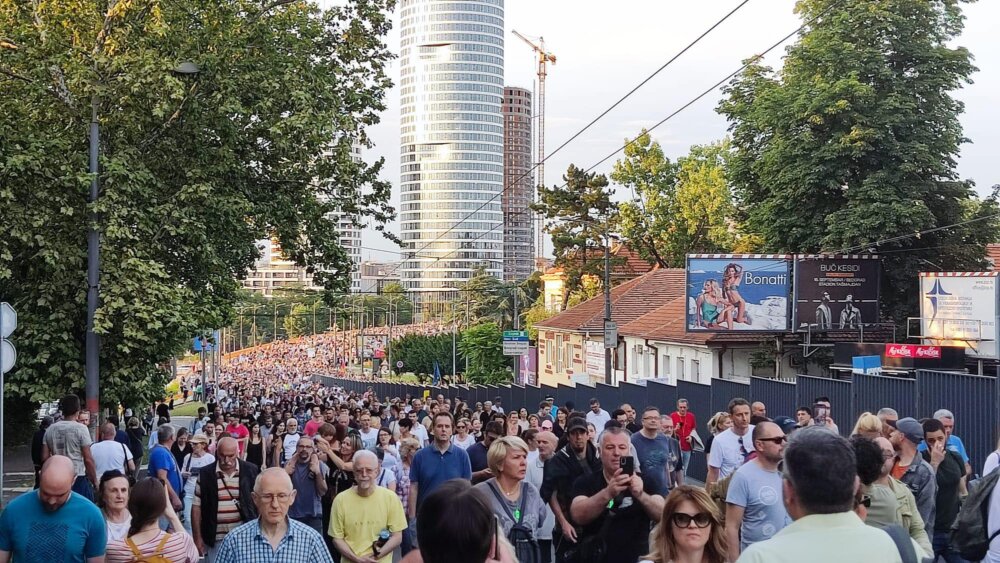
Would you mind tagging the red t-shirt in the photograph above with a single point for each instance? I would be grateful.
(239, 432)
(312, 427)
(683, 426)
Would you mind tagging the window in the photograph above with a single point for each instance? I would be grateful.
(696, 370)
(559, 352)
(549, 355)
(665, 366)
(569, 355)
(636, 358)
(680, 368)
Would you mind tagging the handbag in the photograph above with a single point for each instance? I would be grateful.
(129, 474)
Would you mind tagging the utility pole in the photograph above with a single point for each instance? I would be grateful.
(454, 335)
(466, 326)
(517, 326)
(93, 340)
(607, 307)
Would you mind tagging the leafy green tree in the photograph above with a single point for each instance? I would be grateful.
(193, 169)
(394, 295)
(484, 298)
(418, 352)
(579, 216)
(482, 344)
(534, 315)
(297, 322)
(854, 141)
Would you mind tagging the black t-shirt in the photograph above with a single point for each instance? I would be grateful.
(946, 504)
(477, 456)
(627, 537)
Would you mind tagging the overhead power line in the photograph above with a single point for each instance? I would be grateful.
(585, 128)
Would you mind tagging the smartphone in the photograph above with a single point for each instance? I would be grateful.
(821, 413)
(627, 463)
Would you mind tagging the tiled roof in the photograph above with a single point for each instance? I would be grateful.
(993, 255)
(629, 301)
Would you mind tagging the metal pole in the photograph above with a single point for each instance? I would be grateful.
(275, 335)
(517, 359)
(607, 305)
(2, 378)
(204, 373)
(467, 326)
(454, 348)
(93, 342)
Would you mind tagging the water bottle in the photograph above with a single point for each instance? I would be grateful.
(380, 541)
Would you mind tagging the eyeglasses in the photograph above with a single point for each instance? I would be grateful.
(775, 440)
(865, 501)
(271, 497)
(684, 520)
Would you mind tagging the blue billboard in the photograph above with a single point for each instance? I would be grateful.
(738, 292)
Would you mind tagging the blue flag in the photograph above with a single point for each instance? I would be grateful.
(437, 373)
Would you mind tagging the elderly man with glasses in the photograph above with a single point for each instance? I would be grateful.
(273, 536)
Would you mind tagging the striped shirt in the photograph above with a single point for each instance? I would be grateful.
(247, 544)
(229, 515)
(178, 549)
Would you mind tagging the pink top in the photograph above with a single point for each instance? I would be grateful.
(179, 549)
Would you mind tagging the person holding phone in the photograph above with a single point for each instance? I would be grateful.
(614, 505)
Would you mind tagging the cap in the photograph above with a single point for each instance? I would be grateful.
(550, 398)
(576, 423)
(910, 428)
(786, 423)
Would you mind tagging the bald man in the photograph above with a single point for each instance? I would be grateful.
(223, 498)
(53, 523)
(755, 510)
(287, 541)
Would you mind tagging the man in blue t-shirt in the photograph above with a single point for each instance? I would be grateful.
(660, 463)
(163, 466)
(437, 463)
(53, 523)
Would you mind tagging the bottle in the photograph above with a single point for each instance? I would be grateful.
(380, 541)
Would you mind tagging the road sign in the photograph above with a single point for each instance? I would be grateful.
(515, 342)
(610, 334)
(8, 323)
(8, 319)
(399, 364)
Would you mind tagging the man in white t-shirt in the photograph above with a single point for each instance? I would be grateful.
(369, 435)
(291, 440)
(597, 416)
(733, 447)
(109, 454)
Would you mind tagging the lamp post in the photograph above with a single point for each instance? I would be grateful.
(92, 343)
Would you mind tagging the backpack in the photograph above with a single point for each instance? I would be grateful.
(525, 545)
(970, 532)
(156, 557)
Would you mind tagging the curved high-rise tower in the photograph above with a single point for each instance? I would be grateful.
(451, 54)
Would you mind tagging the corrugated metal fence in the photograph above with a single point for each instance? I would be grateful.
(973, 400)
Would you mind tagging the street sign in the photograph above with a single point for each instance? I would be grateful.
(8, 323)
(610, 334)
(399, 364)
(8, 320)
(515, 342)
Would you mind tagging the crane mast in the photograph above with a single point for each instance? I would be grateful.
(544, 57)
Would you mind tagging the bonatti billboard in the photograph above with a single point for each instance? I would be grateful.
(960, 309)
(738, 292)
(836, 292)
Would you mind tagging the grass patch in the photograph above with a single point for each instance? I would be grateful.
(187, 409)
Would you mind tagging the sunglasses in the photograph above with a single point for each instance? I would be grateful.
(683, 520)
(775, 440)
(865, 501)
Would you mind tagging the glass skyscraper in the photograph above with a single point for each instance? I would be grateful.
(452, 139)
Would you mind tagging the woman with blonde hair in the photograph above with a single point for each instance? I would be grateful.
(720, 422)
(868, 425)
(690, 530)
(514, 500)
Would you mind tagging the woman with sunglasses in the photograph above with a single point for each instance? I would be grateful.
(690, 530)
(462, 438)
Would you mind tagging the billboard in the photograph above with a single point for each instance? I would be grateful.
(372, 346)
(836, 292)
(960, 309)
(738, 292)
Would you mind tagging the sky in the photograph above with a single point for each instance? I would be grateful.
(603, 53)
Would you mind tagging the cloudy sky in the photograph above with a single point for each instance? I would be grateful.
(604, 49)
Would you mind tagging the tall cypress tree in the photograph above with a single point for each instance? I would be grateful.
(854, 141)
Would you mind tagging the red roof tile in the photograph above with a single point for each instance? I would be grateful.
(993, 255)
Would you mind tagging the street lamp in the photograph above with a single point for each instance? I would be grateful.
(93, 342)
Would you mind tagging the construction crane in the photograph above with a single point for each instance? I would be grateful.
(544, 58)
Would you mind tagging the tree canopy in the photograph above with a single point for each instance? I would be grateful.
(193, 168)
(853, 142)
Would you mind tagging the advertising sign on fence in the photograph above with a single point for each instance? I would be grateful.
(836, 292)
(738, 292)
(912, 351)
(960, 309)
(594, 358)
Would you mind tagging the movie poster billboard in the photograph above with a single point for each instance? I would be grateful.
(960, 309)
(738, 292)
(836, 292)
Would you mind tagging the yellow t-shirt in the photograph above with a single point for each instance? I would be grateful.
(358, 520)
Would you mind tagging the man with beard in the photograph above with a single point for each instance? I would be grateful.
(53, 523)
(754, 507)
(368, 521)
(577, 458)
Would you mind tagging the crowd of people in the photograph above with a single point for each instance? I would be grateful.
(277, 467)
